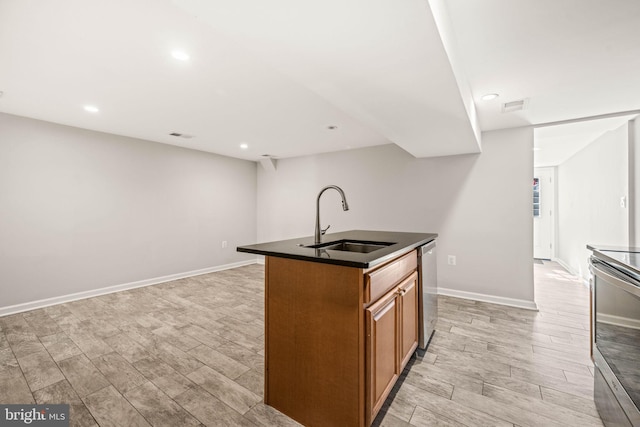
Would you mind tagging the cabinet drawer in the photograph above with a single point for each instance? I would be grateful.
(380, 280)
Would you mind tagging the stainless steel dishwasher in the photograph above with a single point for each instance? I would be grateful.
(428, 293)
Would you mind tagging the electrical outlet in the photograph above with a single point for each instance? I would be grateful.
(451, 260)
(224, 244)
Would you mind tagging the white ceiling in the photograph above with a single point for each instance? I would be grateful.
(570, 58)
(275, 75)
(556, 144)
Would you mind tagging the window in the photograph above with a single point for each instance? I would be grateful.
(536, 197)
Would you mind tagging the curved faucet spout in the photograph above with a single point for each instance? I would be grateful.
(345, 207)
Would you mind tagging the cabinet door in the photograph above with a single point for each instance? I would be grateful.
(408, 303)
(383, 364)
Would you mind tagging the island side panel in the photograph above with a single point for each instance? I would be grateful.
(314, 342)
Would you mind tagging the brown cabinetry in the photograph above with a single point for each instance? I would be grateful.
(409, 315)
(337, 337)
(391, 338)
(382, 352)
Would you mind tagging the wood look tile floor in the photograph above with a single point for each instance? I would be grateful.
(191, 352)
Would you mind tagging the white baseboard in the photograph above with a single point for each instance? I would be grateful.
(32, 305)
(618, 320)
(511, 302)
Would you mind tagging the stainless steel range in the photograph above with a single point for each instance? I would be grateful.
(615, 287)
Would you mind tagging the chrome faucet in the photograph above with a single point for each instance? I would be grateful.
(345, 207)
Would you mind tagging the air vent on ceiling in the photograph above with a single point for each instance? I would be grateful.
(181, 135)
(519, 105)
(268, 163)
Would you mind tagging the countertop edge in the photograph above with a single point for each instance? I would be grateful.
(424, 239)
(601, 253)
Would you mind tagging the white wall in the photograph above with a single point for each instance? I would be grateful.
(590, 185)
(82, 210)
(480, 205)
(634, 182)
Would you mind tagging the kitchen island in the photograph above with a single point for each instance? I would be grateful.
(341, 321)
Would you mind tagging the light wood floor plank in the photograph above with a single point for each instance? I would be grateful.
(562, 414)
(195, 347)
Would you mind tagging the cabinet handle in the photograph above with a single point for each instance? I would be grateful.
(401, 292)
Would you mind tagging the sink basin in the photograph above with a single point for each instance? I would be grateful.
(351, 246)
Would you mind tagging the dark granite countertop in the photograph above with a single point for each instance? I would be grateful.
(402, 242)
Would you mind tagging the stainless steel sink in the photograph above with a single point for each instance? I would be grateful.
(359, 246)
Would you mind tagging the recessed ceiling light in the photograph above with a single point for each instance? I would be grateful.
(180, 55)
(489, 96)
(91, 108)
(244, 146)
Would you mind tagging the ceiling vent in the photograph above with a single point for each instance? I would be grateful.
(181, 135)
(519, 105)
(268, 163)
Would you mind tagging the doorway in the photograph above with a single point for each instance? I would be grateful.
(583, 173)
(543, 213)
